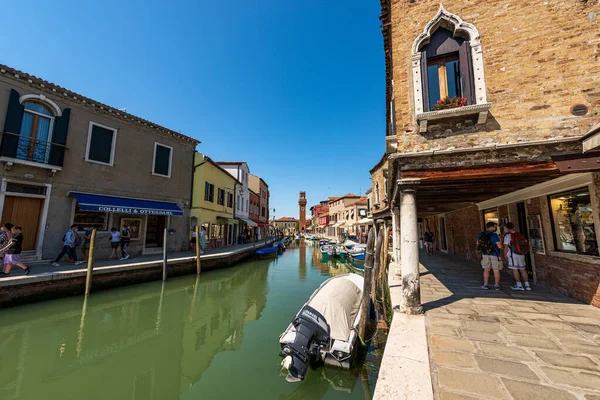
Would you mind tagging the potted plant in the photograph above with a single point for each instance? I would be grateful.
(450, 102)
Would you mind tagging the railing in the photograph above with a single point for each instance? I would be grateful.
(30, 149)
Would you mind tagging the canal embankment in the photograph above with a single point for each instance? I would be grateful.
(404, 372)
(48, 282)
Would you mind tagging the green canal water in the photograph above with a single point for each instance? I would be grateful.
(215, 337)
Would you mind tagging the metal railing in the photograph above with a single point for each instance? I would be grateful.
(31, 149)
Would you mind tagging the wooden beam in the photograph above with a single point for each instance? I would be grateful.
(482, 172)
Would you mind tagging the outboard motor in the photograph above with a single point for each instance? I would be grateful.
(312, 333)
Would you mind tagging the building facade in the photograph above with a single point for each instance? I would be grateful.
(254, 214)
(337, 217)
(259, 186)
(67, 159)
(286, 225)
(213, 201)
(492, 119)
(240, 171)
(320, 217)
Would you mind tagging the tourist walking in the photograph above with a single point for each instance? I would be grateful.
(202, 239)
(12, 252)
(115, 241)
(516, 246)
(490, 246)
(68, 247)
(428, 240)
(5, 236)
(125, 238)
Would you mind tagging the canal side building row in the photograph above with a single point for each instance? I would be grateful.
(67, 159)
(493, 115)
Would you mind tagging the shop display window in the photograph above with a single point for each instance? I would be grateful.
(573, 222)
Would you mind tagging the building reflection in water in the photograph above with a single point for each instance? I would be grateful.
(302, 262)
(152, 341)
(181, 339)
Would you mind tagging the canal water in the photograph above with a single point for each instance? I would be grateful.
(215, 337)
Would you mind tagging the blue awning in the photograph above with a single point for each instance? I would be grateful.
(100, 203)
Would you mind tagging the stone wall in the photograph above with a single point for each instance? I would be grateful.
(378, 176)
(540, 58)
(462, 228)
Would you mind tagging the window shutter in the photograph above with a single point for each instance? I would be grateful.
(424, 83)
(12, 124)
(466, 72)
(59, 137)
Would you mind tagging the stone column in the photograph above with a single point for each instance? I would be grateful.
(411, 285)
(395, 210)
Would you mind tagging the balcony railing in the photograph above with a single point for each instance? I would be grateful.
(29, 149)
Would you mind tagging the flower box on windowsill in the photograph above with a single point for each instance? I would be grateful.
(481, 110)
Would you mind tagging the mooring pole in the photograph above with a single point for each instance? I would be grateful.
(198, 250)
(90, 266)
(376, 264)
(165, 255)
(368, 274)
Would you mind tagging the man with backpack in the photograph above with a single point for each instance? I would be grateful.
(516, 246)
(68, 247)
(490, 246)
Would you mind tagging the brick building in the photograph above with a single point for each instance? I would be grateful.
(491, 109)
(320, 217)
(260, 187)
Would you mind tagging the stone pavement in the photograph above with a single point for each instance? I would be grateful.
(505, 344)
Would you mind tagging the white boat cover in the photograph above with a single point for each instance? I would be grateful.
(339, 302)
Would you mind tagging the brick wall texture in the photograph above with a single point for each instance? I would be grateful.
(540, 58)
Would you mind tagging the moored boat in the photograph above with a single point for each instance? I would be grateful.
(267, 251)
(325, 328)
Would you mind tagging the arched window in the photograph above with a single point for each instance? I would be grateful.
(447, 69)
(36, 131)
(447, 63)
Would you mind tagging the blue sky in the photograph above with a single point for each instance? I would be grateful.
(294, 88)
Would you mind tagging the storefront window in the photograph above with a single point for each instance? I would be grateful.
(90, 219)
(573, 222)
(215, 231)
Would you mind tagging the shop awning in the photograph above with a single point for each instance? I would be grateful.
(124, 205)
(337, 225)
(365, 221)
(228, 220)
(247, 221)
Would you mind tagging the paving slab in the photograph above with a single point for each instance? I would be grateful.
(477, 383)
(568, 360)
(528, 391)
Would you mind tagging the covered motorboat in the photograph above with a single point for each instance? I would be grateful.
(325, 328)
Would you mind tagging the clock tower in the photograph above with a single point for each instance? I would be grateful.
(302, 205)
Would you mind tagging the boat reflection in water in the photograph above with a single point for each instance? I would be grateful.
(181, 339)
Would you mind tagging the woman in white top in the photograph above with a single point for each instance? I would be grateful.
(115, 240)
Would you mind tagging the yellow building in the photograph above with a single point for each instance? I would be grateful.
(213, 201)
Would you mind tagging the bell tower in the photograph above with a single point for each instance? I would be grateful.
(302, 205)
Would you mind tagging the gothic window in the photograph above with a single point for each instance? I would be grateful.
(447, 70)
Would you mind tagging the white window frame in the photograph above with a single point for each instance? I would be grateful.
(170, 160)
(89, 142)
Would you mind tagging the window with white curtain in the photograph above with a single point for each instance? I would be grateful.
(36, 131)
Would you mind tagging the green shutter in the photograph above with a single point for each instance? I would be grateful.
(59, 138)
(12, 124)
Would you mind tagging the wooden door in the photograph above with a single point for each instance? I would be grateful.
(24, 212)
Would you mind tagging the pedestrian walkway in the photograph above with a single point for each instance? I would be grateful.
(44, 269)
(504, 344)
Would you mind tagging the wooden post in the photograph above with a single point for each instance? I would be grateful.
(165, 255)
(368, 275)
(198, 250)
(376, 264)
(90, 267)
